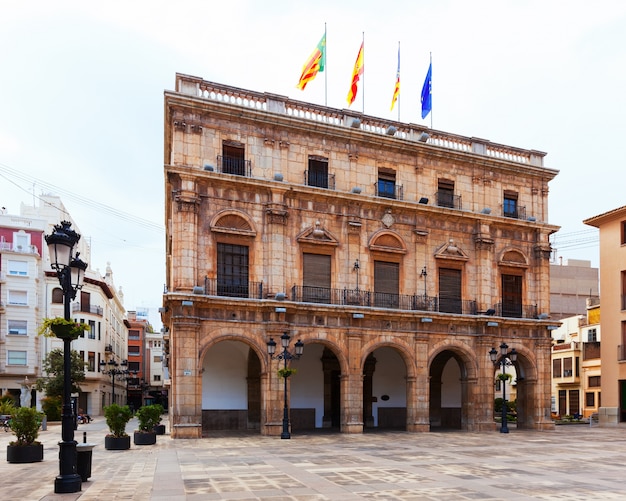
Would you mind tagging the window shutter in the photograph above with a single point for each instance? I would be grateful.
(386, 277)
(316, 270)
(450, 291)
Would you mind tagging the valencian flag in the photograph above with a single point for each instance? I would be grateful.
(427, 92)
(314, 64)
(356, 74)
(396, 91)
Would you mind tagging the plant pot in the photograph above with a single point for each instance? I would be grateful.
(25, 453)
(65, 331)
(144, 438)
(159, 429)
(117, 443)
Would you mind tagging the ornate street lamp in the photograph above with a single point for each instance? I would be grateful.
(285, 355)
(70, 269)
(505, 356)
(115, 372)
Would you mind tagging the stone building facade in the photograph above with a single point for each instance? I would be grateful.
(397, 254)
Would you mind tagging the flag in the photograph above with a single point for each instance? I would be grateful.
(427, 92)
(356, 74)
(396, 91)
(314, 64)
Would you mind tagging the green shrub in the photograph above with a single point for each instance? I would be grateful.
(149, 416)
(25, 423)
(117, 417)
(51, 406)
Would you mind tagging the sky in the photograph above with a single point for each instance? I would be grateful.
(82, 83)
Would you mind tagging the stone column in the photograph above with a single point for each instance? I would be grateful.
(352, 388)
(186, 390)
(185, 236)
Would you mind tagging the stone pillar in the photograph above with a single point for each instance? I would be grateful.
(418, 388)
(185, 236)
(186, 390)
(352, 388)
(482, 390)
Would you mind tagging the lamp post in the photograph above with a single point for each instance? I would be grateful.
(285, 355)
(69, 269)
(114, 372)
(503, 362)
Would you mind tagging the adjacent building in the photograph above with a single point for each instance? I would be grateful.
(612, 226)
(397, 255)
(572, 284)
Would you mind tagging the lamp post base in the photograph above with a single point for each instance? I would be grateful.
(65, 484)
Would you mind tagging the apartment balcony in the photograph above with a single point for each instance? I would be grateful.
(389, 191)
(219, 287)
(510, 310)
(516, 213)
(445, 199)
(234, 165)
(93, 309)
(319, 179)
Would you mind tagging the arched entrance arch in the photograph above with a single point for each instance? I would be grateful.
(231, 385)
(315, 390)
(450, 370)
(385, 388)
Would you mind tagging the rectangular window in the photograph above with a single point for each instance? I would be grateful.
(316, 278)
(17, 268)
(567, 367)
(18, 327)
(511, 296)
(623, 232)
(590, 399)
(133, 366)
(85, 302)
(157, 377)
(556, 367)
(16, 357)
(510, 204)
(133, 334)
(18, 298)
(92, 330)
(91, 361)
(594, 382)
(563, 402)
(233, 158)
(21, 241)
(157, 359)
(134, 351)
(450, 291)
(317, 175)
(386, 284)
(232, 270)
(592, 335)
(386, 186)
(445, 193)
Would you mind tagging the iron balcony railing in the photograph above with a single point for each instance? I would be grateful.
(389, 191)
(96, 310)
(446, 199)
(358, 297)
(231, 288)
(510, 310)
(234, 165)
(517, 213)
(319, 179)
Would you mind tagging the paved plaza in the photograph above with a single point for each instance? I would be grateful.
(572, 462)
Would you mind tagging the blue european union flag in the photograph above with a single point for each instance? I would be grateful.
(427, 92)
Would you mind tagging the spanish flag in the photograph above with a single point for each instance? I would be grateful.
(356, 74)
(314, 64)
(396, 91)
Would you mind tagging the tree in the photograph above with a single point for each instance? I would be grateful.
(53, 366)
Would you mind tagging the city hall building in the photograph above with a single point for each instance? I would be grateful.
(393, 255)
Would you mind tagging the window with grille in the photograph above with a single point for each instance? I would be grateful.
(510, 204)
(233, 159)
(511, 296)
(386, 284)
(450, 291)
(386, 186)
(445, 193)
(317, 175)
(316, 278)
(232, 270)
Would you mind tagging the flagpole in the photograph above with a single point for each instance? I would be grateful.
(363, 73)
(325, 69)
(431, 90)
(398, 78)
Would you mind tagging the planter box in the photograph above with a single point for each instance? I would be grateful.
(144, 438)
(117, 443)
(159, 429)
(25, 453)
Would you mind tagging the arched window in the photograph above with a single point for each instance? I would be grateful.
(57, 295)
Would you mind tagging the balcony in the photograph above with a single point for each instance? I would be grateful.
(515, 213)
(234, 165)
(446, 199)
(511, 310)
(220, 287)
(358, 297)
(93, 309)
(394, 191)
(319, 179)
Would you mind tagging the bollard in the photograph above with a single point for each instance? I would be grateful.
(84, 437)
(44, 423)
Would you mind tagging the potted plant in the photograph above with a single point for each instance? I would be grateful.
(117, 417)
(286, 372)
(25, 423)
(148, 416)
(61, 328)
